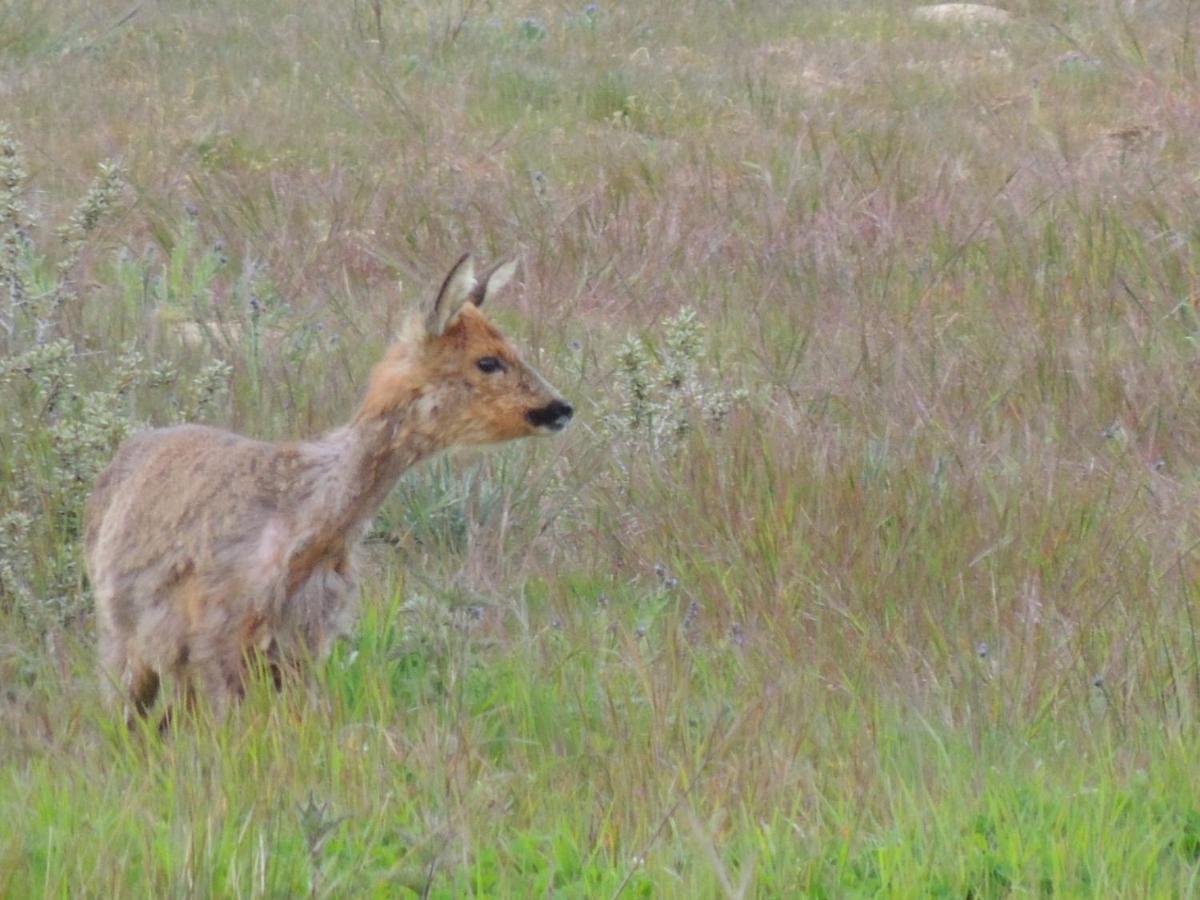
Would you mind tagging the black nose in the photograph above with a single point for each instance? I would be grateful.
(554, 415)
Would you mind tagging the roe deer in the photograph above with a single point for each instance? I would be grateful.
(207, 549)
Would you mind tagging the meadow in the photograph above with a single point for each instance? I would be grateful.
(868, 566)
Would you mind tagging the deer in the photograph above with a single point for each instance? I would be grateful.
(210, 553)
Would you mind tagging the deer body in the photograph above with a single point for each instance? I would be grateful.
(206, 548)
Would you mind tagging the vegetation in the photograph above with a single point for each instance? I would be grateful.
(869, 565)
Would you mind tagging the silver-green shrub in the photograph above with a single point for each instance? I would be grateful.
(64, 406)
(660, 396)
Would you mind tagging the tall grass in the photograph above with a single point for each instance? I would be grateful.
(868, 567)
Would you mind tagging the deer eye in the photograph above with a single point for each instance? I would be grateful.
(490, 364)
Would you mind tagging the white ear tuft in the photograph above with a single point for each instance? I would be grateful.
(493, 282)
(450, 299)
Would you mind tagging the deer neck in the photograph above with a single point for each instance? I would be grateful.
(358, 465)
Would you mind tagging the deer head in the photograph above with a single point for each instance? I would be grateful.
(467, 384)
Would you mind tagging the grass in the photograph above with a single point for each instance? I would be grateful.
(915, 617)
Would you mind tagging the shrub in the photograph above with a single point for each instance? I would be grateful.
(660, 396)
(57, 433)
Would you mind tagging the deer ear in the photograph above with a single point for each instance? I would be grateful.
(493, 282)
(450, 299)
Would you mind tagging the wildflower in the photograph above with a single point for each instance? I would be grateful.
(691, 616)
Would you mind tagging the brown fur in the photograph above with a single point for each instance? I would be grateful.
(206, 548)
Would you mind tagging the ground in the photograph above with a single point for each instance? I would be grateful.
(868, 566)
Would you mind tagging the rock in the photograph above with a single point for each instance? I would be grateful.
(962, 14)
(1079, 62)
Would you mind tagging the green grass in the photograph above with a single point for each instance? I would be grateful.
(916, 618)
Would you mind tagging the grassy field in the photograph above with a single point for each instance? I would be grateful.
(869, 565)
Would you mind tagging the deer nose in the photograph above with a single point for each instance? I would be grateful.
(554, 415)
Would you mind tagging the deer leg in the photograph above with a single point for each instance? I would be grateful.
(185, 697)
(221, 680)
(284, 670)
(126, 678)
(113, 662)
(143, 687)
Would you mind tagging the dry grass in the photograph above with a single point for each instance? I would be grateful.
(923, 615)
